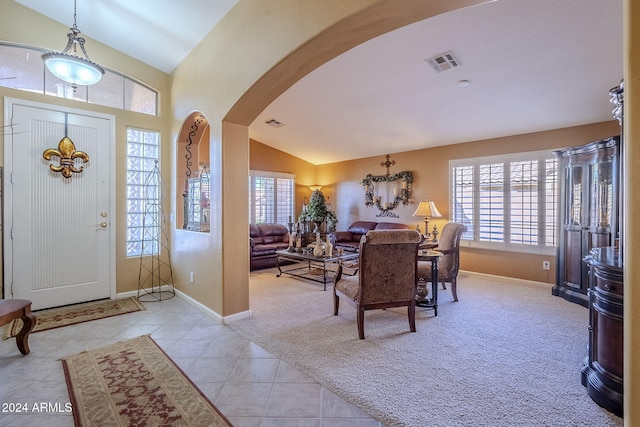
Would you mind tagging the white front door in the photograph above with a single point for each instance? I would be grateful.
(58, 231)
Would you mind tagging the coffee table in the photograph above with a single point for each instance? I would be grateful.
(305, 265)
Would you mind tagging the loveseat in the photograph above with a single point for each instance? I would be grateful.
(350, 240)
(264, 241)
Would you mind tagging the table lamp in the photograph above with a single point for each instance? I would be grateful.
(427, 209)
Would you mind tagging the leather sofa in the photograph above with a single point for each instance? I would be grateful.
(264, 241)
(350, 240)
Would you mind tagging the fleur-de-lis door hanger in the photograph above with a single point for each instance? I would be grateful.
(67, 153)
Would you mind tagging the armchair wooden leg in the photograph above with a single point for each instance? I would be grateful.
(336, 303)
(454, 289)
(22, 339)
(411, 311)
(444, 286)
(361, 323)
(11, 309)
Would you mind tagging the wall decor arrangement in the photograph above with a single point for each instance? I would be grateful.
(376, 185)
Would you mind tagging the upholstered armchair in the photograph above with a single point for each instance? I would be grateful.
(387, 277)
(449, 264)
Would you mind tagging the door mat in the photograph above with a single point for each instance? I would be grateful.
(73, 314)
(134, 383)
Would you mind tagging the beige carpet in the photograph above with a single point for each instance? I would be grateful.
(507, 354)
(77, 313)
(134, 383)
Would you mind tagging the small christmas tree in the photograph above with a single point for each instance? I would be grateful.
(318, 211)
(317, 208)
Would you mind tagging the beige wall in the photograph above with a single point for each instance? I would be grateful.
(431, 181)
(21, 25)
(430, 167)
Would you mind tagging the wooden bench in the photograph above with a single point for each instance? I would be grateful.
(11, 309)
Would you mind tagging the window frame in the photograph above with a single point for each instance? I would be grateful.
(547, 202)
(45, 80)
(156, 249)
(253, 174)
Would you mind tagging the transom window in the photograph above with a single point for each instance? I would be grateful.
(22, 68)
(143, 153)
(506, 202)
(271, 197)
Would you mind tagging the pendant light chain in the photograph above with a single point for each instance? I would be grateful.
(75, 16)
(68, 65)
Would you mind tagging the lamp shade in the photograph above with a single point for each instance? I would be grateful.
(73, 69)
(427, 209)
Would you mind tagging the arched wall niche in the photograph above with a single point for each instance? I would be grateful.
(193, 155)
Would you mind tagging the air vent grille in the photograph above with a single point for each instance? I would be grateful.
(275, 123)
(443, 62)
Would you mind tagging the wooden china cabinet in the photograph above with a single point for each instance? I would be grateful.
(589, 211)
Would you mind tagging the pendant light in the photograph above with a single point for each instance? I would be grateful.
(68, 66)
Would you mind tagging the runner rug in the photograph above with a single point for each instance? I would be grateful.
(134, 383)
(78, 313)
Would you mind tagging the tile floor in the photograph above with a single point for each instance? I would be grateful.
(250, 386)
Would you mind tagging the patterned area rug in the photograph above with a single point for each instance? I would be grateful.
(135, 383)
(78, 313)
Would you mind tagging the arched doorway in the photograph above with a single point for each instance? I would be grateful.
(369, 22)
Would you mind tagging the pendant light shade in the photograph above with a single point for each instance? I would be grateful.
(68, 65)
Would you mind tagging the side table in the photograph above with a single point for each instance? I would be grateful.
(434, 257)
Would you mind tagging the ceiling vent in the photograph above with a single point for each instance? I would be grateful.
(443, 62)
(274, 123)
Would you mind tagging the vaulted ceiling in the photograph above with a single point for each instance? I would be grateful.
(522, 66)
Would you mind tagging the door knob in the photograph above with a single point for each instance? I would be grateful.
(103, 224)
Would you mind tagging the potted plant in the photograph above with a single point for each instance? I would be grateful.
(318, 212)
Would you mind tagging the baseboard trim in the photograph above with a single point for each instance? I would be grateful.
(195, 303)
(515, 279)
(207, 310)
(237, 316)
(127, 294)
(120, 295)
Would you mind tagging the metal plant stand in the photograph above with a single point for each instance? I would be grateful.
(155, 279)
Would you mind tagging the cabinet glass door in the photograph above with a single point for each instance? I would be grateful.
(601, 197)
(574, 196)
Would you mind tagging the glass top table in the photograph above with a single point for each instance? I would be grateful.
(305, 265)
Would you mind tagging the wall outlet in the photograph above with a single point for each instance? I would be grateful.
(546, 265)
(191, 276)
